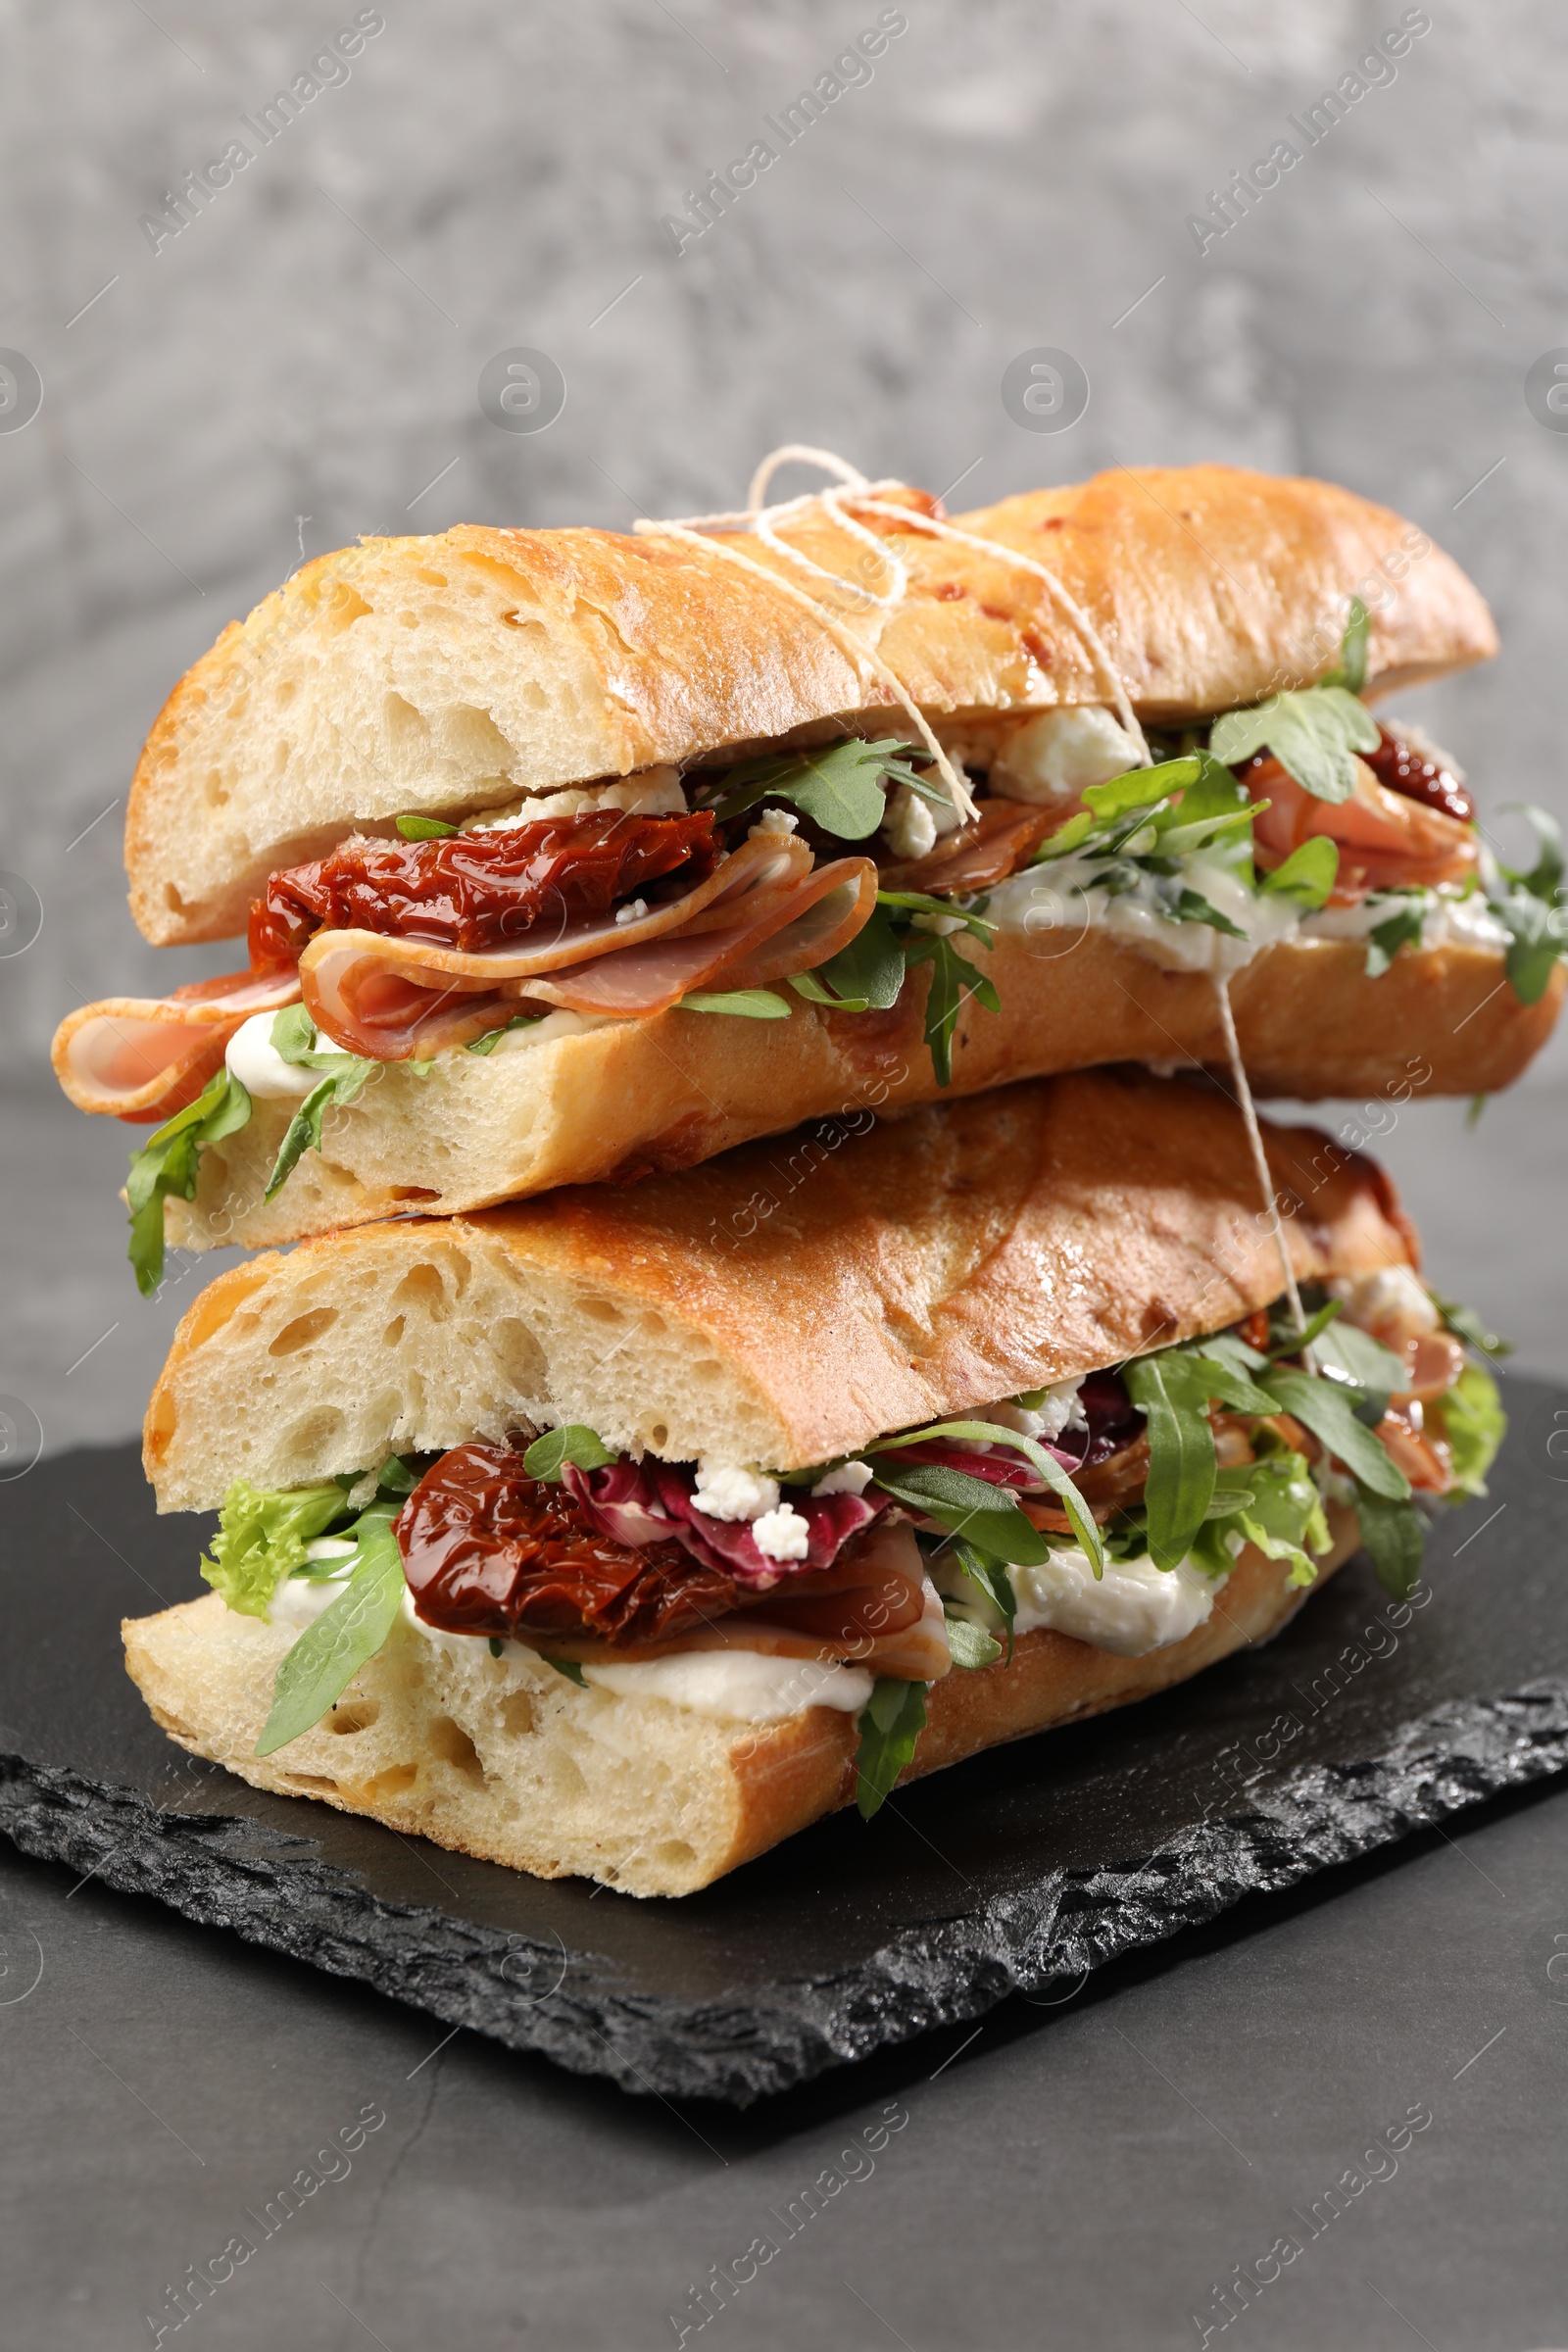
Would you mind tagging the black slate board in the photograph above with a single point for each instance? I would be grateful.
(1018, 1870)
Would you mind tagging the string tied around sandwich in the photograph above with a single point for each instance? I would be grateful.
(763, 521)
(1254, 1138)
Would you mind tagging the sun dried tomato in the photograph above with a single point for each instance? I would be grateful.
(478, 889)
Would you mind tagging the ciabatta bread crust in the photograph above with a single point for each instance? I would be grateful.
(525, 1769)
(767, 1308)
(632, 1098)
(448, 673)
(1214, 586)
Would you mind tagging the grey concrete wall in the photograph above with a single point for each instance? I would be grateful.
(300, 361)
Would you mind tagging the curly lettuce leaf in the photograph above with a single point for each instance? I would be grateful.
(261, 1538)
(1473, 1421)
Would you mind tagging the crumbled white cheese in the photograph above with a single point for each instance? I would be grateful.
(910, 826)
(726, 1490)
(654, 791)
(849, 1478)
(782, 1535)
(1056, 754)
(1392, 1296)
(560, 1023)
(254, 1060)
(632, 912)
(332, 1547)
(773, 823)
(943, 925)
(1059, 1409)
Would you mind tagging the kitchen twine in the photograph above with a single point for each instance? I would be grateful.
(762, 521)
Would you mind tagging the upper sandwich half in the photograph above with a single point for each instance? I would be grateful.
(599, 853)
(625, 1531)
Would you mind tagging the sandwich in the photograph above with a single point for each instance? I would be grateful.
(565, 856)
(624, 1531)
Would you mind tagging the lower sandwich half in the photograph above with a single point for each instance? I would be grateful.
(625, 1532)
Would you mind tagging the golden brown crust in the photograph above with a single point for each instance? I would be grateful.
(791, 1776)
(1214, 586)
(639, 1098)
(568, 654)
(922, 1267)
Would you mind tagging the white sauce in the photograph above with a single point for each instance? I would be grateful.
(738, 1685)
(1447, 920)
(254, 1060)
(733, 1686)
(1133, 1608)
(555, 1024)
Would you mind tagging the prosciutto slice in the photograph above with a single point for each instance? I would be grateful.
(142, 1058)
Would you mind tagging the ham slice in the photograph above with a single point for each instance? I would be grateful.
(761, 915)
(992, 846)
(142, 1058)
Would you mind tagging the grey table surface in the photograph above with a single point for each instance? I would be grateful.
(299, 366)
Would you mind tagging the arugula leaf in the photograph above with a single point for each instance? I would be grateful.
(840, 786)
(808, 986)
(395, 1476)
(492, 1037)
(966, 1506)
(1474, 1423)
(1191, 907)
(1285, 1516)
(918, 902)
(870, 969)
(261, 1538)
(1394, 1537)
(990, 1574)
(1349, 671)
(1356, 1358)
(572, 1442)
(1181, 1454)
(1324, 1407)
(1284, 1338)
(166, 1167)
(748, 1003)
(970, 1644)
(1534, 945)
(954, 981)
(424, 828)
(891, 1725)
(294, 1036)
(1312, 733)
(1141, 787)
(1402, 929)
(1065, 839)
(993, 1432)
(320, 1667)
(569, 1668)
(1543, 881)
(1307, 875)
(1469, 1327)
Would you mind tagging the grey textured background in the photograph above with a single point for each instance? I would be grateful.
(296, 367)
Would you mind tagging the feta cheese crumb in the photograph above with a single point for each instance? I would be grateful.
(1059, 1410)
(1056, 754)
(1390, 1299)
(778, 823)
(632, 912)
(849, 1478)
(944, 925)
(782, 1535)
(909, 826)
(726, 1491)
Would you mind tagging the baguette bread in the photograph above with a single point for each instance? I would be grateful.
(492, 1758)
(624, 1099)
(755, 1312)
(447, 675)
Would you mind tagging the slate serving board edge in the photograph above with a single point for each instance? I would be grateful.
(273, 1889)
